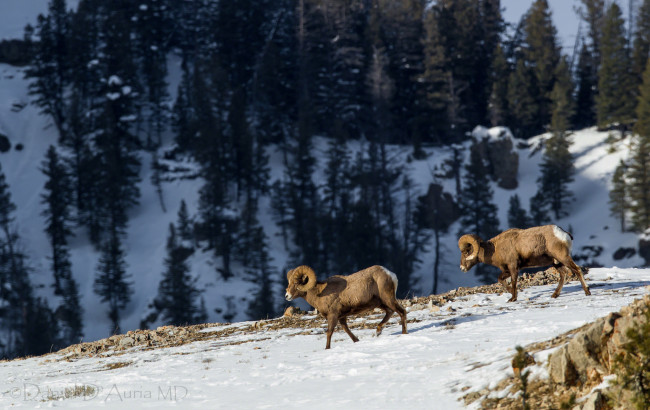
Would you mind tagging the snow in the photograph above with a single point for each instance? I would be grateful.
(16, 14)
(465, 346)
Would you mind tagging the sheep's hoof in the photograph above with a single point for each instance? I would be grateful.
(355, 340)
(379, 330)
(555, 295)
(512, 299)
(587, 292)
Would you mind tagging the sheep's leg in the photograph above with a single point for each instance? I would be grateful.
(502, 280)
(331, 325)
(389, 313)
(513, 282)
(578, 272)
(402, 314)
(344, 324)
(562, 271)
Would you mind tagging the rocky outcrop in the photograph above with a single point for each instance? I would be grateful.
(590, 354)
(495, 146)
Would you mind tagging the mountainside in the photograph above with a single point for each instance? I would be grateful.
(458, 344)
(596, 233)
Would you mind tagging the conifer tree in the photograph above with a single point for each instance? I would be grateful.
(112, 280)
(618, 201)
(521, 101)
(639, 165)
(585, 114)
(615, 80)
(498, 103)
(478, 212)
(539, 209)
(20, 313)
(641, 45)
(517, 216)
(542, 55)
(557, 172)
(58, 219)
(50, 66)
(178, 291)
(184, 224)
(436, 75)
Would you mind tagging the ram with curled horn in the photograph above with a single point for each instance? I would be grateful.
(340, 296)
(516, 249)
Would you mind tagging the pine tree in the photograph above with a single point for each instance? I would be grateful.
(50, 66)
(615, 82)
(435, 211)
(112, 280)
(563, 105)
(539, 205)
(498, 103)
(521, 101)
(178, 291)
(542, 55)
(641, 46)
(593, 14)
(436, 75)
(585, 114)
(557, 172)
(184, 225)
(58, 219)
(618, 201)
(20, 310)
(517, 216)
(478, 212)
(639, 165)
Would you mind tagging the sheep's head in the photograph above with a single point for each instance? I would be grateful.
(469, 246)
(300, 281)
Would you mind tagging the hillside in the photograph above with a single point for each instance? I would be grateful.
(592, 226)
(456, 345)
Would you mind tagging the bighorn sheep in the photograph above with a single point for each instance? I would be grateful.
(515, 249)
(341, 296)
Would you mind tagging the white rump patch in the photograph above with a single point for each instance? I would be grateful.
(392, 276)
(561, 235)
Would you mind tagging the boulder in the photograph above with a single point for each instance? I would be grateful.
(5, 144)
(495, 146)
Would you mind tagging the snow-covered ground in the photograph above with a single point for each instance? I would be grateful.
(465, 346)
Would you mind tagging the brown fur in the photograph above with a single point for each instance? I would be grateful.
(516, 249)
(340, 296)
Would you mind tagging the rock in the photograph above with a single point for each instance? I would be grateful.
(623, 253)
(5, 145)
(126, 342)
(644, 247)
(585, 348)
(560, 367)
(290, 311)
(496, 148)
(595, 401)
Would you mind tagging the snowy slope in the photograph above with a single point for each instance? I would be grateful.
(465, 346)
(148, 227)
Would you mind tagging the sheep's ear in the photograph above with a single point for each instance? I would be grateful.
(303, 279)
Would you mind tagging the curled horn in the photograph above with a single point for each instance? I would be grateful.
(300, 274)
(473, 242)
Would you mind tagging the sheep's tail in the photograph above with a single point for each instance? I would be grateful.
(392, 276)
